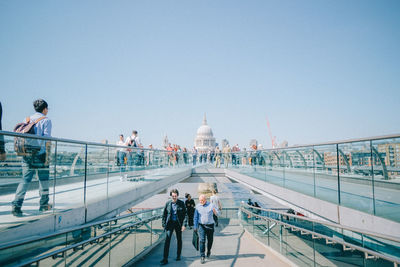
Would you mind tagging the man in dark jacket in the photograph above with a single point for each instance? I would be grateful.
(174, 219)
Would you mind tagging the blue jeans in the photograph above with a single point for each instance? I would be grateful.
(30, 165)
(206, 230)
(121, 159)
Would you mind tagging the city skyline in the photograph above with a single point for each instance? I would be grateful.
(319, 71)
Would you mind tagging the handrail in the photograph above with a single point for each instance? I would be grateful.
(344, 243)
(373, 138)
(5, 133)
(90, 240)
(360, 231)
(34, 239)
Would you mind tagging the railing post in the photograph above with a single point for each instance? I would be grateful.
(55, 177)
(151, 232)
(315, 185)
(84, 183)
(269, 229)
(338, 172)
(373, 179)
(108, 169)
(280, 239)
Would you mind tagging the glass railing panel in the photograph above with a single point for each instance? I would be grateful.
(83, 255)
(333, 255)
(98, 179)
(70, 176)
(157, 230)
(122, 247)
(17, 255)
(134, 159)
(326, 173)
(151, 159)
(275, 236)
(274, 168)
(143, 237)
(298, 249)
(260, 230)
(355, 173)
(93, 254)
(26, 178)
(241, 159)
(386, 168)
(299, 175)
(384, 246)
(116, 161)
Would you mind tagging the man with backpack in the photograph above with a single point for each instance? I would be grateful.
(131, 156)
(35, 156)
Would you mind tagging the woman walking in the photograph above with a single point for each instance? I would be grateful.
(190, 207)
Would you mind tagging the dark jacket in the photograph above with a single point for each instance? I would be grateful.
(181, 213)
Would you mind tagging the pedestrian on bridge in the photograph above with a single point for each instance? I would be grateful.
(204, 224)
(174, 219)
(36, 160)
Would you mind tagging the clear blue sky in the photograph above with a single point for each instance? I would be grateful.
(320, 70)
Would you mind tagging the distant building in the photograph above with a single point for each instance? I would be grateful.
(284, 144)
(165, 141)
(204, 140)
(224, 143)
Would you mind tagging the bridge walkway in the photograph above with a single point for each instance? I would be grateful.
(232, 246)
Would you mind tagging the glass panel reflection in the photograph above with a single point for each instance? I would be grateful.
(355, 173)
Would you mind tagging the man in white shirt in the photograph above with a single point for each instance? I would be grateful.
(214, 199)
(132, 141)
(121, 153)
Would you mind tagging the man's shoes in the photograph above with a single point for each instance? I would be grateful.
(163, 262)
(208, 254)
(46, 207)
(178, 258)
(16, 211)
(203, 260)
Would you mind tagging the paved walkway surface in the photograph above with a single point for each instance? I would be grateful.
(232, 247)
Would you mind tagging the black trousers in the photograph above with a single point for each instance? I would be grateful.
(173, 225)
(215, 217)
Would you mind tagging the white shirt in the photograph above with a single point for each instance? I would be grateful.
(121, 143)
(132, 137)
(215, 201)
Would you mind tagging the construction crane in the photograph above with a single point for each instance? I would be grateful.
(273, 138)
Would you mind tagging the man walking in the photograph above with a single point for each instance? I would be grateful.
(36, 161)
(174, 219)
(204, 224)
(214, 199)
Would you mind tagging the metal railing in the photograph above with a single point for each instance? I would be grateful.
(310, 242)
(74, 174)
(363, 174)
(111, 242)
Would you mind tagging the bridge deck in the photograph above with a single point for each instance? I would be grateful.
(232, 247)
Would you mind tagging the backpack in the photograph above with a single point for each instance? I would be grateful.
(132, 142)
(25, 146)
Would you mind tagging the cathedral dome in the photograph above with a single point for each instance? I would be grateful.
(205, 130)
(204, 140)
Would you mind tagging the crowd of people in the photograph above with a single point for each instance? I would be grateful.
(202, 218)
(131, 153)
(228, 155)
